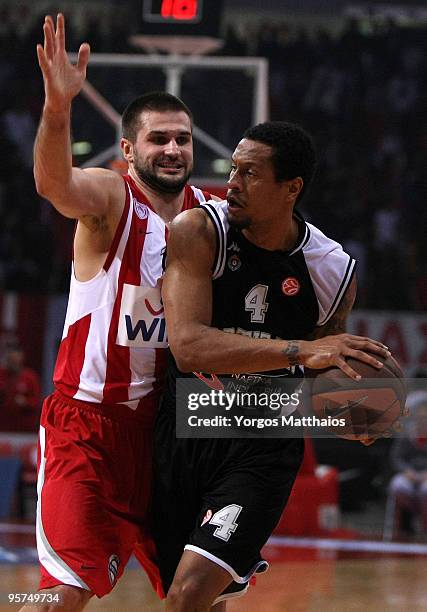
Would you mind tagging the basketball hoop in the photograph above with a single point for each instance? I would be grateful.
(177, 45)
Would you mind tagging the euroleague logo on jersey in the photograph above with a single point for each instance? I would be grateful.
(291, 286)
(140, 209)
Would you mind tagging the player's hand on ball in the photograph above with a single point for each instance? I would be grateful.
(333, 350)
(367, 409)
(62, 80)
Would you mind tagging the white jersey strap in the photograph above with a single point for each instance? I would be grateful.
(198, 194)
(331, 270)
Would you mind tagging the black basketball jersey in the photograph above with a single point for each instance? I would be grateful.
(272, 294)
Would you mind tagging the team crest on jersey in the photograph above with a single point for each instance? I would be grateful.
(206, 518)
(113, 568)
(234, 263)
(291, 286)
(140, 209)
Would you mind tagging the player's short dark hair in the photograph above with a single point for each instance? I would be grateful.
(159, 101)
(293, 150)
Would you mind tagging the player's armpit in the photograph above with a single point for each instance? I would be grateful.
(338, 322)
(98, 218)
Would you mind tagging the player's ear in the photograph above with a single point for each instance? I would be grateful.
(127, 149)
(295, 186)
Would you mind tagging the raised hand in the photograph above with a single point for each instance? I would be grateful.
(62, 80)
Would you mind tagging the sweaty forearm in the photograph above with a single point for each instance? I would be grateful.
(52, 154)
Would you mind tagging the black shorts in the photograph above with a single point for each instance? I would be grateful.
(220, 498)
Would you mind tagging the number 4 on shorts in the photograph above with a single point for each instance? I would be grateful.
(226, 521)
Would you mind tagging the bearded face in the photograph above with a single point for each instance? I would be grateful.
(166, 173)
(163, 150)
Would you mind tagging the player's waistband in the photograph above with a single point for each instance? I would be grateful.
(146, 411)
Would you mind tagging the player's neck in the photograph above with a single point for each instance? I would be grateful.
(166, 205)
(274, 236)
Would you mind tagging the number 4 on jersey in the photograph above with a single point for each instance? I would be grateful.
(226, 521)
(255, 303)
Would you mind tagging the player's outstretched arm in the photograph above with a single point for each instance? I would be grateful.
(74, 192)
(187, 297)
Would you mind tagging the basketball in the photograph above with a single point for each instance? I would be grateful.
(370, 406)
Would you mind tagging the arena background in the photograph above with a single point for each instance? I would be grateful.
(352, 73)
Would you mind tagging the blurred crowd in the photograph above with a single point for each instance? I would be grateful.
(20, 391)
(363, 96)
(361, 93)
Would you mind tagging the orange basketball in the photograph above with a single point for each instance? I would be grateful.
(367, 408)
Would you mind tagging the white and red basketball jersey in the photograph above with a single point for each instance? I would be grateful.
(113, 347)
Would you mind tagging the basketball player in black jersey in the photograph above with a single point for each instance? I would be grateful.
(241, 275)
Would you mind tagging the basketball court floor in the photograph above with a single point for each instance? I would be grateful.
(306, 575)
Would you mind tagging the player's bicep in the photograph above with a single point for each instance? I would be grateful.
(186, 296)
(187, 284)
(338, 322)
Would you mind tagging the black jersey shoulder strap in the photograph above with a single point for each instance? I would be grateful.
(216, 212)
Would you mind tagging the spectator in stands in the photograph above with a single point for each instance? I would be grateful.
(20, 393)
(409, 459)
(20, 128)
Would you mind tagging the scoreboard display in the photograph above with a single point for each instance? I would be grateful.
(181, 17)
(172, 11)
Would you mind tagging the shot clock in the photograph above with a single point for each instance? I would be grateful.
(171, 11)
(181, 17)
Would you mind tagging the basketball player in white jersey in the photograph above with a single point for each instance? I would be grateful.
(96, 428)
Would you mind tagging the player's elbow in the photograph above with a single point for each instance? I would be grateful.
(59, 196)
(186, 352)
(41, 186)
(184, 359)
(45, 187)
